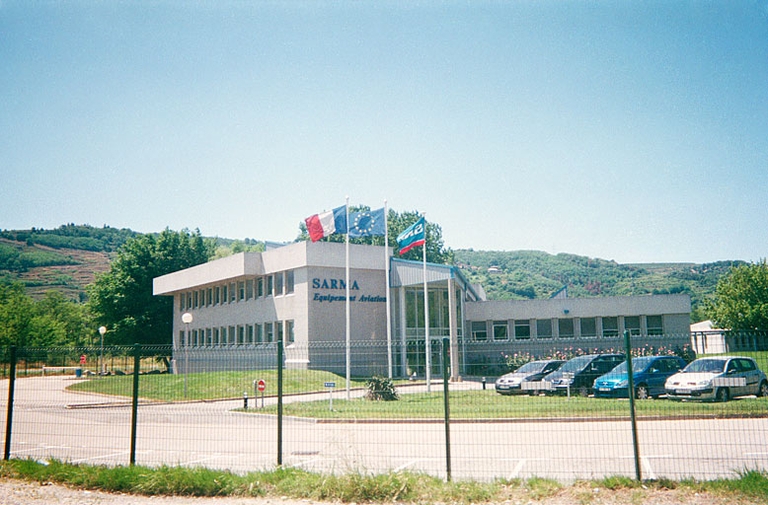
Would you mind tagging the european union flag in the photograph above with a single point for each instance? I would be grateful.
(367, 223)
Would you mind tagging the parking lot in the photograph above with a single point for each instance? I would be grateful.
(50, 422)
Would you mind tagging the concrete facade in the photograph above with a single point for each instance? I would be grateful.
(243, 304)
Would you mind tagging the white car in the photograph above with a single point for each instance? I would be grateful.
(718, 378)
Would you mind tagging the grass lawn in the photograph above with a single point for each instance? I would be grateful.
(213, 385)
(480, 405)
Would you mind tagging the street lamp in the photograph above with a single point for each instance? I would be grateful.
(102, 331)
(186, 318)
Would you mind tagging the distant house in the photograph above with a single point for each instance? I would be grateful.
(493, 269)
(706, 339)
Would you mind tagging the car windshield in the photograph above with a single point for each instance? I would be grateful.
(576, 364)
(706, 366)
(531, 367)
(638, 365)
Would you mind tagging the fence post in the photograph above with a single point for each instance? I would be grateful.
(9, 415)
(631, 395)
(447, 406)
(135, 403)
(280, 402)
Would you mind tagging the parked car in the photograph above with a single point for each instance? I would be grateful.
(649, 374)
(717, 378)
(533, 371)
(580, 373)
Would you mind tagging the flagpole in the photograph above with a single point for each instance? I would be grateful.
(427, 343)
(346, 268)
(389, 309)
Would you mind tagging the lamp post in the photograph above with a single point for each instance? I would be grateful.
(186, 318)
(102, 331)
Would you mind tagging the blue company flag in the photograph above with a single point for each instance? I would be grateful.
(367, 223)
(413, 236)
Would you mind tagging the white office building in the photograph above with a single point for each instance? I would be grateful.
(243, 304)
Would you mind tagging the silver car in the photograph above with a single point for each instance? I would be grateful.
(717, 378)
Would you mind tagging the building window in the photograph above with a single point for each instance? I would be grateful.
(479, 331)
(208, 337)
(216, 337)
(289, 282)
(197, 299)
(610, 326)
(189, 300)
(259, 334)
(231, 336)
(217, 295)
(270, 285)
(278, 283)
(588, 327)
(543, 328)
(208, 298)
(279, 330)
(249, 335)
(654, 325)
(224, 294)
(260, 287)
(240, 291)
(268, 332)
(632, 324)
(249, 289)
(565, 328)
(500, 330)
(232, 292)
(522, 329)
(289, 331)
(181, 301)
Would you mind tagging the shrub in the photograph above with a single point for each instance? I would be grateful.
(381, 389)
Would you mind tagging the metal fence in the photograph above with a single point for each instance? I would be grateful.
(246, 413)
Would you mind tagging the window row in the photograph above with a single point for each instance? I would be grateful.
(584, 327)
(278, 284)
(246, 334)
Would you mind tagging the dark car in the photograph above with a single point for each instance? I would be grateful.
(579, 373)
(649, 373)
(522, 379)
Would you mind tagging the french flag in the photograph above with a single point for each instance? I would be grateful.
(327, 223)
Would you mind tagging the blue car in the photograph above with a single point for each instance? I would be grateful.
(649, 374)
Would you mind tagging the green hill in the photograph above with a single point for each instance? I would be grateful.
(64, 259)
(535, 274)
(68, 258)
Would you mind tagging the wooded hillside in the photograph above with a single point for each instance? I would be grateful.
(67, 259)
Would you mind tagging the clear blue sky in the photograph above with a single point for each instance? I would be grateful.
(633, 131)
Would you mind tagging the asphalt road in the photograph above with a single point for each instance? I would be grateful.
(210, 434)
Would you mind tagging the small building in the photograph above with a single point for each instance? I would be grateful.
(706, 339)
(243, 304)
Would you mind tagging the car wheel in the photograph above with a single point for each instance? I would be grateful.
(722, 395)
(763, 391)
(642, 393)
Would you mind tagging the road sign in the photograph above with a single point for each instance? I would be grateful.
(261, 385)
(330, 384)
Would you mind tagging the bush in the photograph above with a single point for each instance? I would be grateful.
(381, 389)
